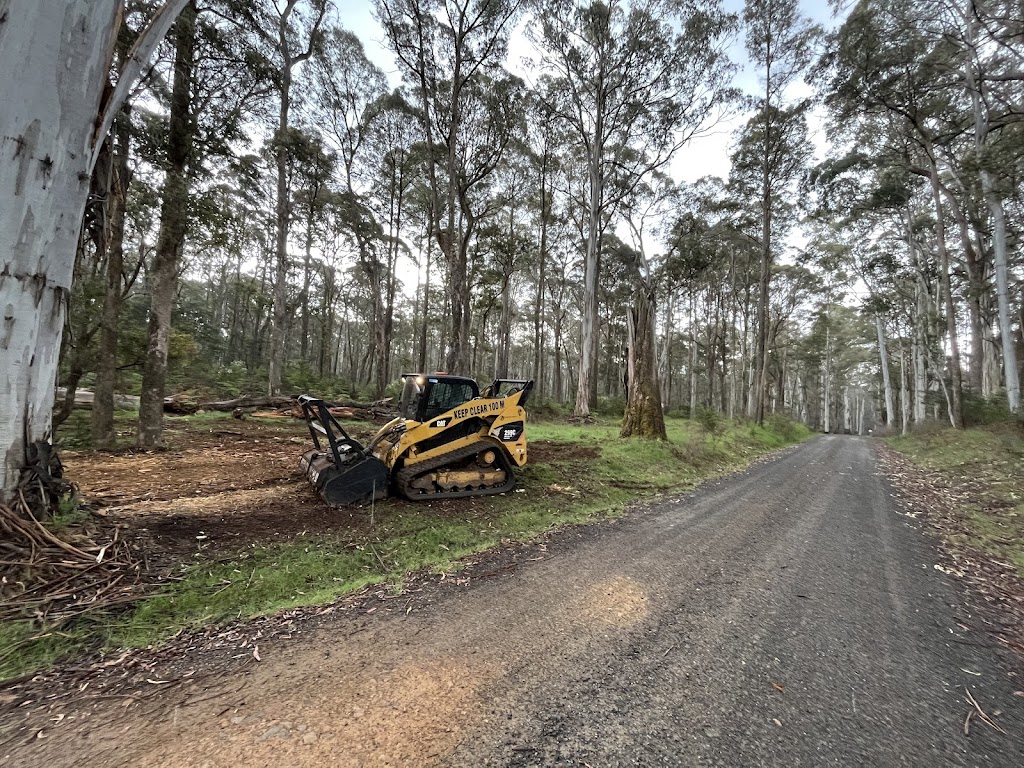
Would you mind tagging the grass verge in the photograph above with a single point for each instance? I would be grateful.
(990, 462)
(577, 474)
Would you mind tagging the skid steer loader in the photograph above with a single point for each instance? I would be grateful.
(449, 440)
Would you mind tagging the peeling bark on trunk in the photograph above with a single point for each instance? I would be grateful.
(163, 275)
(55, 56)
(643, 408)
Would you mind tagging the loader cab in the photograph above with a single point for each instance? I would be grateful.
(426, 396)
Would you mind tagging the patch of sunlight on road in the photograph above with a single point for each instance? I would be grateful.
(414, 713)
(618, 601)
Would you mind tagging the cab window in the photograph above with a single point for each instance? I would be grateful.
(445, 395)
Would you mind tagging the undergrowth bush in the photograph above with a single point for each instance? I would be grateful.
(783, 426)
(711, 421)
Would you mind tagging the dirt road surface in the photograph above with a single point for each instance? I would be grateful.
(787, 615)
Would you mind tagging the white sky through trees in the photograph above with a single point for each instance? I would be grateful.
(706, 155)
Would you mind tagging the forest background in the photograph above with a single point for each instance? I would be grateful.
(275, 211)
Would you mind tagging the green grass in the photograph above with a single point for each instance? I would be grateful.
(591, 474)
(991, 459)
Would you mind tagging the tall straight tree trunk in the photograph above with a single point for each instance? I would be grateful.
(307, 279)
(694, 351)
(886, 382)
(826, 387)
(956, 375)
(588, 331)
(538, 309)
(904, 394)
(386, 332)
(764, 282)
(1010, 369)
(102, 417)
(163, 275)
(282, 206)
(995, 206)
(279, 313)
(422, 361)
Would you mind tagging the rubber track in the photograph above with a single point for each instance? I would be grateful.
(407, 475)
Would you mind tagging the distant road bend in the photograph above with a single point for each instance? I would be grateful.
(786, 615)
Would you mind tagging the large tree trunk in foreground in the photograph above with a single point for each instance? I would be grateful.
(163, 276)
(1002, 293)
(588, 321)
(55, 56)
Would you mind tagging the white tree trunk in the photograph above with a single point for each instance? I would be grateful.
(588, 322)
(886, 382)
(55, 56)
(904, 393)
(995, 206)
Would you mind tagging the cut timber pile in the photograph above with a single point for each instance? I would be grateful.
(280, 407)
(375, 411)
(185, 404)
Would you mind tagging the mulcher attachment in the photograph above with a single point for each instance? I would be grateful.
(340, 469)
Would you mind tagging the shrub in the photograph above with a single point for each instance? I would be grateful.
(783, 426)
(711, 421)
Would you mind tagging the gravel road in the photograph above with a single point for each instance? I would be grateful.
(787, 615)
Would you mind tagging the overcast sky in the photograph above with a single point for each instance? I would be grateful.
(704, 156)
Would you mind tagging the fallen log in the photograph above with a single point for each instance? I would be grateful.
(184, 404)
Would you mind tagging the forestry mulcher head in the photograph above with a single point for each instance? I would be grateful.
(340, 469)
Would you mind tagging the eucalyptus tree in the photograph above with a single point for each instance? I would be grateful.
(640, 79)
(992, 67)
(395, 139)
(883, 67)
(347, 99)
(545, 139)
(779, 41)
(56, 57)
(162, 275)
(450, 53)
(649, 203)
(288, 32)
(219, 79)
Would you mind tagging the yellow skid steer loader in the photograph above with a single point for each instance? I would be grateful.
(449, 440)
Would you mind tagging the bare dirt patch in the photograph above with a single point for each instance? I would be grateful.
(552, 451)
